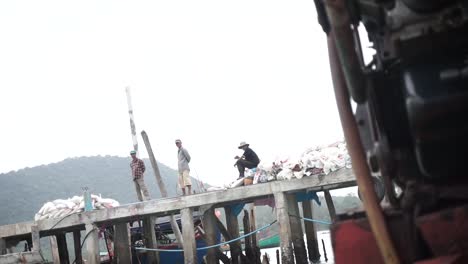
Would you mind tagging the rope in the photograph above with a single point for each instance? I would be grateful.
(312, 220)
(212, 246)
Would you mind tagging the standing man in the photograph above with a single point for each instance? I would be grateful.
(248, 160)
(184, 169)
(138, 169)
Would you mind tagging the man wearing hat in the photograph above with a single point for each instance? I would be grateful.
(138, 169)
(184, 169)
(248, 160)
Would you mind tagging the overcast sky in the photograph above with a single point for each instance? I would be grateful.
(212, 73)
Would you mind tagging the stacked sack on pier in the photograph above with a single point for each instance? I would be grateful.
(314, 161)
(60, 207)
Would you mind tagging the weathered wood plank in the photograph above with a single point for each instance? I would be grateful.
(35, 237)
(122, 248)
(3, 249)
(248, 240)
(311, 233)
(296, 230)
(330, 205)
(54, 249)
(24, 257)
(150, 238)
(233, 229)
(77, 246)
(209, 226)
(92, 245)
(188, 234)
(253, 226)
(338, 179)
(281, 204)
(62, 248)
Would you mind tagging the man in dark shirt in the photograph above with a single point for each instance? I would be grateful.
(248, 160)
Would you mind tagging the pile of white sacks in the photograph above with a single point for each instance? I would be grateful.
(61, 207)
(314, 161)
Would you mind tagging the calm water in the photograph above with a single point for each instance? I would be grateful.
(325, 235)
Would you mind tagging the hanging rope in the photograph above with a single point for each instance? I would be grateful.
(312, 220)
(212, 246)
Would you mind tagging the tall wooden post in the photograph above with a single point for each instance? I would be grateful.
(190, 249)
(330, 205)
(92, 245)
(233, 229)
(248, 240)
(77, 246)
(62, 248)
(209, 225)
(282, 216)
(311, 233)
(253, 226)
(296, 231)
(150, 238)
(122, 244)
(54, 250)
(134, 136)
(161, 185)
(35, 237)
(3, 249)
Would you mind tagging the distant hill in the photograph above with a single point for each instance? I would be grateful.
(26, 190)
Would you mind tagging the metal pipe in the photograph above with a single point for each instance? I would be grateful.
(360, 168)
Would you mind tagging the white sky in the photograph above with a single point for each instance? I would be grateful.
(212, 73)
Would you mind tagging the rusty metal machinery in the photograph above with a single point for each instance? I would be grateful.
(411, 117)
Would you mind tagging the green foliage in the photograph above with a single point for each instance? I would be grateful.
(25, 191)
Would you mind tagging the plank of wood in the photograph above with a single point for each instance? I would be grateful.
(281, 204)
(62, 248)
(296, 231)
(92, 245)
(233, 229)
(36, 239)
(3, 249)
(54, 250)
(77, 246)
(122, 249)
(188, 233)
(209, 226)
(311, 233)
(150, 238)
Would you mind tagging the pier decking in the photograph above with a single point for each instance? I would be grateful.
(118, 217)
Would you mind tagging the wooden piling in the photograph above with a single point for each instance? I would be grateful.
(92, 245)
(233, 229)
(54, 250)
(282, 216)
(253, 226)
(35, 237)
(62, 248)
(330, 205)
(77, 246)
(277, 257)
(188, 234)
(149, 223)
(122, 244)
(311, 233)
(296, 230)
(3, 249)
(324, 251)
(248, 240)
(209, 226)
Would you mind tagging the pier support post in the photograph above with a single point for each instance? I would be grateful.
(92, 245)
(253, 226)
(233, 229)
(35, 237)
(330, 205)
(77, 246)
(122, 244)
(248, 240)
(282, 216)
(296, 230)
(188, 234)
(209, 225)
(3, 249)
(62, 248)
(150, 238)
(311, 233)
(54, 250)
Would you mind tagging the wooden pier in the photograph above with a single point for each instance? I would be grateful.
(119, 217)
